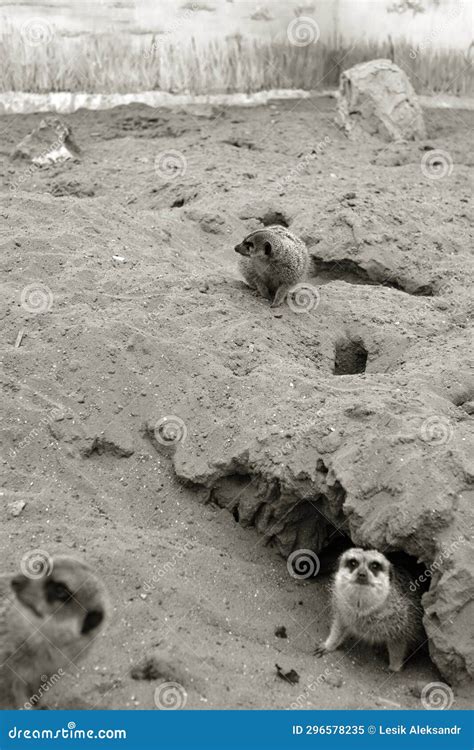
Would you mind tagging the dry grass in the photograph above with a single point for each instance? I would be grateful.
(124, 63)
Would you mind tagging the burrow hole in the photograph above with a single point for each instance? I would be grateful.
(350, 357)
(274, 217)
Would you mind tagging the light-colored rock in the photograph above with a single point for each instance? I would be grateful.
(15, 508)
(376, 97)
(50, 143)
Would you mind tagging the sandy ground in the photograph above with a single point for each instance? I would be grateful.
(190, 586)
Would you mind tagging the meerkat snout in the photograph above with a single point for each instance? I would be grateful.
(241, 249)
(47, 622)
(362, 577)
(258, 247)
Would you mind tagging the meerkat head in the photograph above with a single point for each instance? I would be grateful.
(259, 244)
(363, 578)
(68, 603)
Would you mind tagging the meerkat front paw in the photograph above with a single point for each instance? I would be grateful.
(280, 296)
(396, 654)
(320, 650)
(263, 291)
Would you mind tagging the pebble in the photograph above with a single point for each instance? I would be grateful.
(333, 679)
(16, 507)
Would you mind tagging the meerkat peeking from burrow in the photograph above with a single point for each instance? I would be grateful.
(273, 261)
(47, 622)
(372, 602)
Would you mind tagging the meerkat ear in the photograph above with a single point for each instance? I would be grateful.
(267, 248)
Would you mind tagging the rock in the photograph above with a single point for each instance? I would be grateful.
(449, 610)
(376, 97)
(50, 143)
(468, 406)
(16, 507)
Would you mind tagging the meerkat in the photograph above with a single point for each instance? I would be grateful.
(273, 261)
(46, 623)
(372, 601)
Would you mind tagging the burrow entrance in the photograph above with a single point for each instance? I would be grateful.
(271, 218)
(351, 272)
(350, 357)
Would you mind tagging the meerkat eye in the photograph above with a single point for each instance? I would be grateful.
(375, 567)
(57, 592)
(352, 564)
(267, 248)
(250, 245)
(92, 620)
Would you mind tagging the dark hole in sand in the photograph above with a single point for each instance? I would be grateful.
(239, 143)
(271, 218)
(351, 357)
(178, 203)
(338, 542)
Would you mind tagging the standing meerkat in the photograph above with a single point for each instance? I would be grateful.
(273, 261)
(46, 622)
(372, 602)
